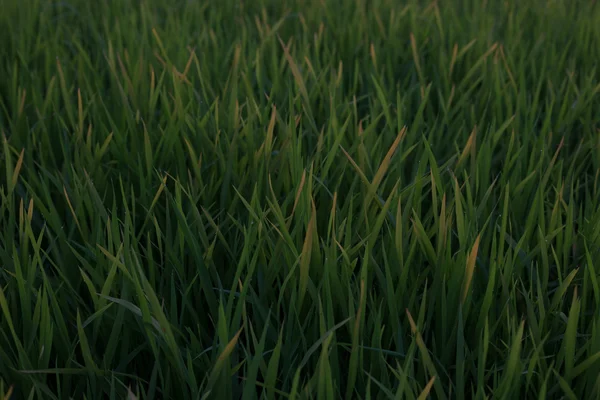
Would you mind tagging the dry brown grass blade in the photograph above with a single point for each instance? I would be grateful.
(470, 269)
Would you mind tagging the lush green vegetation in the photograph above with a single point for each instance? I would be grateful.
(300, 199)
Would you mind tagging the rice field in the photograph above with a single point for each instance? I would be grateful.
(299, 199)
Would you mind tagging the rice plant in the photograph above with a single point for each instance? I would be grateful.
(298, 199)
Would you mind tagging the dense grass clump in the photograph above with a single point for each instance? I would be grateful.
(300, 199)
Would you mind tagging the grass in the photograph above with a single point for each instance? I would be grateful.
(300, 199)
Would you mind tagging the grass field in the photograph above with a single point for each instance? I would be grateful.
(270, 199)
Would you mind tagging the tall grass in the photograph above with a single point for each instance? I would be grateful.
(299, 199)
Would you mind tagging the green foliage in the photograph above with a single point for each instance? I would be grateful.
(299, 199)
